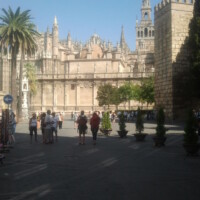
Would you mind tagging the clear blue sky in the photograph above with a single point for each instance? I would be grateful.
(85, 17)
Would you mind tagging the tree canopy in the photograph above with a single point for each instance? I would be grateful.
(17, 31)
(30, 73)
(146, 92)
(125, 92)
(106, 95)
(17, 35)
(110, 95)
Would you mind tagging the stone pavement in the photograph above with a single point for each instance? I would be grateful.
(114, 169)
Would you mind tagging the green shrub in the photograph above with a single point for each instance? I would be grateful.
(160, 129)
(121, 122)
(106, 124)
(139, 121)
(190, 136)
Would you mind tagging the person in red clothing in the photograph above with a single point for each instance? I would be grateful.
(94, 122)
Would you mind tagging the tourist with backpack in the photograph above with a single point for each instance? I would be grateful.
(82, 127)
(94, 122)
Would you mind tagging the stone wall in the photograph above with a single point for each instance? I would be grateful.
(171, 30)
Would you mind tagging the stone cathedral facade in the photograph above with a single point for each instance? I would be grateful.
(70, 72)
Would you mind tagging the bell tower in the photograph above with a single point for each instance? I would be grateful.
(146, 10)
(145, 29)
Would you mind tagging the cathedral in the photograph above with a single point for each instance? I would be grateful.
(70, 72)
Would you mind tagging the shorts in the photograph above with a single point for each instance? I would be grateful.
(82, 131)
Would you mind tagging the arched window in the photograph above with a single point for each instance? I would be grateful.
(141, 33)
(145, 32)
(150, 33)
(146, 16)
(138, 33)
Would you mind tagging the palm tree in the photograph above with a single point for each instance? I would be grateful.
(18, 35)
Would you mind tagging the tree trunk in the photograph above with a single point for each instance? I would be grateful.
(13, 81)
(20, 115)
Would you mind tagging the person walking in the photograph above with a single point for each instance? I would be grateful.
(43, 126)
(94, 122)
(60, 120)
(13, 128)
(82, 127)
(33, 127)
(54, 125)
(48, 130)
(75, 120)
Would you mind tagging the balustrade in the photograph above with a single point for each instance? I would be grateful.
(85, 76)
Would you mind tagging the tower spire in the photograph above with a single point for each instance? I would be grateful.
(68, 36)
(122, 40)
(55, 21)
(69, 40)
(124, 47)
(55, 39)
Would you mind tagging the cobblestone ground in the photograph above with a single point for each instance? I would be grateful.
(114, 169)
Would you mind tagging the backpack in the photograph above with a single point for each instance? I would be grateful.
(82, 121)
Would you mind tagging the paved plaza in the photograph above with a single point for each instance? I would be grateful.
(114, 169)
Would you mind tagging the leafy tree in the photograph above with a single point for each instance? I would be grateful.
(30, 73)
(146, 92)
(194, 49)
(17, 33)
(116, 96)
(125, 92)
(106, 95)
(136, 91)
(128, 92)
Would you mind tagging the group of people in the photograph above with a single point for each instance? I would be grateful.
(82, 126)
(49, 124)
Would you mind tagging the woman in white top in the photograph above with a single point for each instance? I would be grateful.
(33, 126)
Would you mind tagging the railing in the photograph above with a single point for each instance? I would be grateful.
(78, 76)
